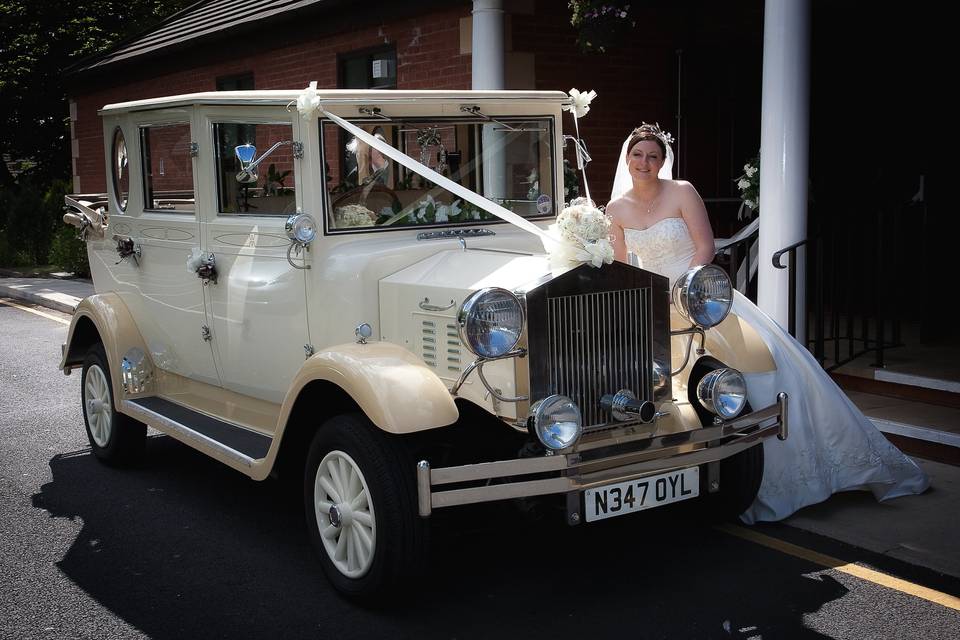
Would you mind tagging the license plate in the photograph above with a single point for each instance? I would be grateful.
(643, 493)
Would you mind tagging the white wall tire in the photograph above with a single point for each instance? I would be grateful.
(346, 514)
(114, 438)
(360, 504)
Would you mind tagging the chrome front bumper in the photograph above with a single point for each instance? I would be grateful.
(574, 474)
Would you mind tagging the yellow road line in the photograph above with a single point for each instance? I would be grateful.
(849, 568)
(10, 303)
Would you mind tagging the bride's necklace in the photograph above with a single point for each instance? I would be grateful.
(650, 204)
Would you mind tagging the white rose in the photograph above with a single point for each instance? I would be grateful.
(743, 184)
(750, 170)
(581, 102)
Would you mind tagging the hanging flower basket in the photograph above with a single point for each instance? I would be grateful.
(602, 26)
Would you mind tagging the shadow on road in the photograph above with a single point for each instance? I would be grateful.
(183, 547)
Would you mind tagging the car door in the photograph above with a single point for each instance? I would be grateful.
(258, 305)
(161, 224)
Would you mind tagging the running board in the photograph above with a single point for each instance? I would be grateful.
(237, 443)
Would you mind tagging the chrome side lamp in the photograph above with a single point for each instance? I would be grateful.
(301, 228)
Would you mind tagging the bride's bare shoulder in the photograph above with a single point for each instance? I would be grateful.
(682, 186)
(618, 207)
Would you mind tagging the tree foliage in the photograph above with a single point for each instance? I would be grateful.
(38, 40)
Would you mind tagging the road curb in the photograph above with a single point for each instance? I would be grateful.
(40, 299)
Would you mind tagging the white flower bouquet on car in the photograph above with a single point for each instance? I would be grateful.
(581, 234)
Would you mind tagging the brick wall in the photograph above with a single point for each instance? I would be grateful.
(428, 57)
(696, 59)
(693, 59)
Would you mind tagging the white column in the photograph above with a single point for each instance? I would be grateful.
(784, 150)
(487, 74)
(487, 39)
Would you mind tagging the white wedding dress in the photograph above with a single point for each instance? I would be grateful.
(831, 445)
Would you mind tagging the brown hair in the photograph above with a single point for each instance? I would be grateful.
(647, 132)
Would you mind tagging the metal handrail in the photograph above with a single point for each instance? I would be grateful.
(792, 288)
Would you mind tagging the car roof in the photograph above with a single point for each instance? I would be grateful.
(343, 96)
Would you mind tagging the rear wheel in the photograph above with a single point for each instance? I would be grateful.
(361, 508)
(115, 438)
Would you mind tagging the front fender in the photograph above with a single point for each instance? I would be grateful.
(734, 342)
(393, 387)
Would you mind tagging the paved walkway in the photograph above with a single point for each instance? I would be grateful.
(54, 293)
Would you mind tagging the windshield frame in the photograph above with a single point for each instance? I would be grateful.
(548, 119)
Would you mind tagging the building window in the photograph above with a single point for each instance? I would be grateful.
(368, 69)
(238, 82)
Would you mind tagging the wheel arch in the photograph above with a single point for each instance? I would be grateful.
(102, 318)
(318, 402)
(395, 390)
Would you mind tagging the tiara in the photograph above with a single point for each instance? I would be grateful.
(654, 129)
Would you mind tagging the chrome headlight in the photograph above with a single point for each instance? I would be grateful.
(557, 422)
(723, 392)
(704, 295)
(490, 321)
(301, 228)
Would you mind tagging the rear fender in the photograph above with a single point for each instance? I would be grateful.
(102, 317)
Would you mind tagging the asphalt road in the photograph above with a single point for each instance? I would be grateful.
(183, 547)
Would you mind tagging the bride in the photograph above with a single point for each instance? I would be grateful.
(832, 446)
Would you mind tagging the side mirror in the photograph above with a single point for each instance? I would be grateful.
(248, 171)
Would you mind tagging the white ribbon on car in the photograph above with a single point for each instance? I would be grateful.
(470, 196)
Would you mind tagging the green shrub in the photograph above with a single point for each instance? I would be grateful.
(69, 252)
(31, 211)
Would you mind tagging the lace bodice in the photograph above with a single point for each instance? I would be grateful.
(665, 247)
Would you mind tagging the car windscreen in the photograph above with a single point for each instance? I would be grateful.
(509, 162)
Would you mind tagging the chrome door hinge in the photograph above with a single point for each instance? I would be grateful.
(205, 333)
(194, 149)
(307, 351)
(297, 150)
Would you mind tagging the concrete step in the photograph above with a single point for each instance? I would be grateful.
(926, 429)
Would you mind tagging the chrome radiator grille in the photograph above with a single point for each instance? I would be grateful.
(599, 343)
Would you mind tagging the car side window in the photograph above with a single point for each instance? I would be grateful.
(255, 168)
(167, 168)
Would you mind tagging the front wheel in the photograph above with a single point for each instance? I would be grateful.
(740, 478)
(115, 438)
(361, 508)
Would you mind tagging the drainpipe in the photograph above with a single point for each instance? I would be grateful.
(487, 74)
(784, 151)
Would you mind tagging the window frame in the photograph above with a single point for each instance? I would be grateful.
(159, 123)
(247, 118)
(114, 178)
(369, 53)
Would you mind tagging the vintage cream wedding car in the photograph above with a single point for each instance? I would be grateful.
(332, 295)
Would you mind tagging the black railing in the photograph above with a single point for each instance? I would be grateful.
(853, 267)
